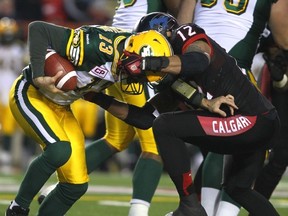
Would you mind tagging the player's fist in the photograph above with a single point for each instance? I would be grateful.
(277, 66)
(131, 63)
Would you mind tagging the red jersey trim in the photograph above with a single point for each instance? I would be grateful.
(195, 38)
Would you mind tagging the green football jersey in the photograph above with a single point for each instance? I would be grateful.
(90, 46)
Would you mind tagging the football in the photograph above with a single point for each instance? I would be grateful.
(55, 63)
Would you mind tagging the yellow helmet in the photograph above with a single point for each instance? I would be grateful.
(9, 30)
(148, 43)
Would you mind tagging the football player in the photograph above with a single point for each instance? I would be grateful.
(119, 135)
(44, 113)
(271, 66)
(241, 27)
(12, 53)
(189, 41)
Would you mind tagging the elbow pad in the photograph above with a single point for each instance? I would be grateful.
(140, 117)
(193, 62)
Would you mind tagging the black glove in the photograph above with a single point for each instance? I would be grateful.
(135, 65)
(277, 66)
(154, 63)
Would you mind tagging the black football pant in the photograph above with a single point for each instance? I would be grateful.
(278, 160)
(172, 130)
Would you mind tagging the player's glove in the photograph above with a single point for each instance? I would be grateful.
(131, 63)
(135, 65)
(277, 66)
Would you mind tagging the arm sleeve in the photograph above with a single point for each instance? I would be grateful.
(42, 35)
(140, 117)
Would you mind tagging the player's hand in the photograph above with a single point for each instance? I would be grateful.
(214, 105)
(131, 63)
(48, 83)
(277, 66)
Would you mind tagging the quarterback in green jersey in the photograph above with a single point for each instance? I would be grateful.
(44, 112)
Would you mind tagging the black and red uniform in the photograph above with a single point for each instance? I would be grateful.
(245, 135)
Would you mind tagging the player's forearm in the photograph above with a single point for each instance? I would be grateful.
(140, 117)
(42, 35)
(186, 11)
(278, 23)
(183, 10)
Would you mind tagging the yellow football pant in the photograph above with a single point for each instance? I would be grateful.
(48, 124)
(118, 133)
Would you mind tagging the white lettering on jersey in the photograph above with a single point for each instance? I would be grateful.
(99, 71)
(103, 72)
(190, 32)
(229, 126)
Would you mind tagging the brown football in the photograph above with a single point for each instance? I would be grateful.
(55, 63)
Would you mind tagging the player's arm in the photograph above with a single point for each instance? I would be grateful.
(194, 60)
(42, 35)
(183, 10)
(140, 117)
(278, 23)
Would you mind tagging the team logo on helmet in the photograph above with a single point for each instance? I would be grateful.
(146, 51)
(159, 23)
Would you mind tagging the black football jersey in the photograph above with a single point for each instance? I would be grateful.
(223, 76)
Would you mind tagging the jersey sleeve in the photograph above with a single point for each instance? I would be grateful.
(41, 36)
(186, 35)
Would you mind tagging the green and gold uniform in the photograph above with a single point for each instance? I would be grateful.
(47, 117)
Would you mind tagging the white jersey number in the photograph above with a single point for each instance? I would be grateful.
(127, 3)
(190, 32)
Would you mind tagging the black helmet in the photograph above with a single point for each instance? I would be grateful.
(161, 22)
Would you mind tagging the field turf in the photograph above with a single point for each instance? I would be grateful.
(109, 195)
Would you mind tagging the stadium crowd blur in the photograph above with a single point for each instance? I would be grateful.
(16, 150)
